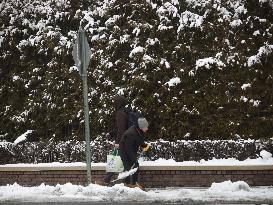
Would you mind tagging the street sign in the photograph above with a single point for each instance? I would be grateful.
(81, 54)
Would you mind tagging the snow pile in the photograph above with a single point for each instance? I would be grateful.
(265, 160)
(219, 192)
(229, 186)
(69, 192)
(266, 155)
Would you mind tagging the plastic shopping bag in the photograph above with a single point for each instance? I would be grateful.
(114, 162)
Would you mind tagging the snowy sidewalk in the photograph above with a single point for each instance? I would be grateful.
(225, 192)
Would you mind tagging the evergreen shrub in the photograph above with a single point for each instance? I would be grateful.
(74, 151)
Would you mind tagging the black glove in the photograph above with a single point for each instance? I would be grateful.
(147, 154)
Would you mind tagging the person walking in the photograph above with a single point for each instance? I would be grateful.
(129, 144)
(121, 125)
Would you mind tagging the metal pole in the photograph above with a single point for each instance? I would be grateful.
(81, 55)
(85, 98)
(87, 130)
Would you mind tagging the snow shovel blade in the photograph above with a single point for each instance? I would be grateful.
(125, 174)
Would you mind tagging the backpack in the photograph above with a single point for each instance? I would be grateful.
(133, 116)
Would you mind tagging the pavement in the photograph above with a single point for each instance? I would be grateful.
(199, 199)
(130, 203)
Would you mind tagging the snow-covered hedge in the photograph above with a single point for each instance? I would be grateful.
(74, 151)
(197, 69)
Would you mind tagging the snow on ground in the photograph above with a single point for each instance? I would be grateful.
(227, 191)
(265, 158)
(219, 192)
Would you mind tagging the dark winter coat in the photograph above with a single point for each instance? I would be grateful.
(130, 142)
(121, 117)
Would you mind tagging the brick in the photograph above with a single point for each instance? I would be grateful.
(168, 172)
(150, 178)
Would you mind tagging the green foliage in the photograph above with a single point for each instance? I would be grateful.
(181, 150)
(219, 52)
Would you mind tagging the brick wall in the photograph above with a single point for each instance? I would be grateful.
(149, 176)
(204, 178)
(49, 177)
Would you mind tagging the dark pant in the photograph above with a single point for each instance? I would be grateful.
(108, 177)
(129, 164)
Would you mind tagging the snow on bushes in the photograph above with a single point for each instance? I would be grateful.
(74, 151)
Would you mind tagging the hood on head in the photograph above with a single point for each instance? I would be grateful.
(119, 102)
